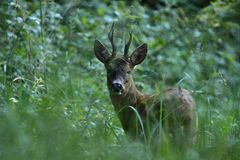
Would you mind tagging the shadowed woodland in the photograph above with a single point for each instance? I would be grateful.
(54, 97)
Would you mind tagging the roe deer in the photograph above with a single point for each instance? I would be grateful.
(174, 108)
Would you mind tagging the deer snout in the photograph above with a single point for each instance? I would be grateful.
(118, 87)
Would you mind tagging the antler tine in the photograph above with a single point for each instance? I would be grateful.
(110, 37)
(127, 45)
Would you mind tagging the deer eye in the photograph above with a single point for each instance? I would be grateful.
(128, 72)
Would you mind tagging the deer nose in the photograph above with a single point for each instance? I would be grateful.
(117, 87)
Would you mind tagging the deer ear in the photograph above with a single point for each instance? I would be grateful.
(138, 54)
(101, 52)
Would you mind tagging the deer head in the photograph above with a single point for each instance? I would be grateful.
(119, 68)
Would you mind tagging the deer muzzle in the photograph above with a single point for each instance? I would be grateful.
(118, 86)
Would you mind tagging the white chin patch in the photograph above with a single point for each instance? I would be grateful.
(119, 93)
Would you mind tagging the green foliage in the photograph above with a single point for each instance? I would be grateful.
(53, 94)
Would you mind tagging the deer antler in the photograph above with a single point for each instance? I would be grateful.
(110, 37)
(127, 45)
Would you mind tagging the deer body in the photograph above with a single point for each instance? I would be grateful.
(174, 108)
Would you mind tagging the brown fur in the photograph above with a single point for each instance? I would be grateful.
(173, 108)
(177, 106)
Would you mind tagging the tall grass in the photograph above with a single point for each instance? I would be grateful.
(74, 119)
